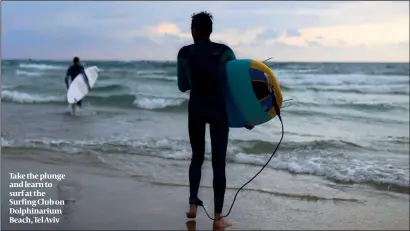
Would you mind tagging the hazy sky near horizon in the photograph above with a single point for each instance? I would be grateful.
(288, 31)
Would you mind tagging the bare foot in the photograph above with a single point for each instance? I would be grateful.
(220, 223)
(191, 214)
(191, 225)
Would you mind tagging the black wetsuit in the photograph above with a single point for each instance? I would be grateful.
(201, 68)
(72, 72)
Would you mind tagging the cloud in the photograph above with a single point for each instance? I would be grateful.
(387, 32)
(156, 30)
(292, 33)
(360, 53)
(342, 43)
(268, 34)
(313, 43)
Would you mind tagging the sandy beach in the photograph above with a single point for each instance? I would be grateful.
(101, 197)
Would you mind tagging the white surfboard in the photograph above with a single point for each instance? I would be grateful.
(78, 88)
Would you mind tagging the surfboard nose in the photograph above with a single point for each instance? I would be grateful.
(264, 85)
(249, 92)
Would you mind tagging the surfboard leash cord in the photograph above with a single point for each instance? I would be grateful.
(277, 110)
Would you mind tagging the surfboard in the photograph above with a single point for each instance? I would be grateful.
(78, 88)
(249, 88)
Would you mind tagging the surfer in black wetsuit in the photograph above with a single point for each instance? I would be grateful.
(201, 68)
(73, 71)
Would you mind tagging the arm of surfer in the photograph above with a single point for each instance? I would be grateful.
(183, 71)
(228, 55)
(85, 78)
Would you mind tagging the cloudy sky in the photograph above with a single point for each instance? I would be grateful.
(288, 31)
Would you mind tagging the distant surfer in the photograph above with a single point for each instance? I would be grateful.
(200, 69)
(73, 71)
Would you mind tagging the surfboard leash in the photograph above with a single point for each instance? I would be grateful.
(277, 110)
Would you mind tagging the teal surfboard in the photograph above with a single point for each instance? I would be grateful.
(248, 92)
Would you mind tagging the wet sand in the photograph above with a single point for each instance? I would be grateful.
(100, 197)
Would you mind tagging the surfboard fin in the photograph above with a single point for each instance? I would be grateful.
(267, 60)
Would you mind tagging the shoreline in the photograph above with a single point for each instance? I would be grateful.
(135, 204)
(46, 155)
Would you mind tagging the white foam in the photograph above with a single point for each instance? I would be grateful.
(160, 77)
(150, 72)
(40, 66)
(339, 167)
(22, 97)
(156, 103)
(351, 170)
(5, 143)
(27, 73)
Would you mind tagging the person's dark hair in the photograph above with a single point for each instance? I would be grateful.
(76, 60)
(202, 23)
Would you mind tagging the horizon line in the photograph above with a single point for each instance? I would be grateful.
(148, 60)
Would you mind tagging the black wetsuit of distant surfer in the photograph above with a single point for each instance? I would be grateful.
(73, 71)
(201, 68)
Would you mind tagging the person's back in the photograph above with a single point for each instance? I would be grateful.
(205, 61)
(72, 72)
(201, 68)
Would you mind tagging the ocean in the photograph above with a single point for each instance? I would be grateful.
(345, 123)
